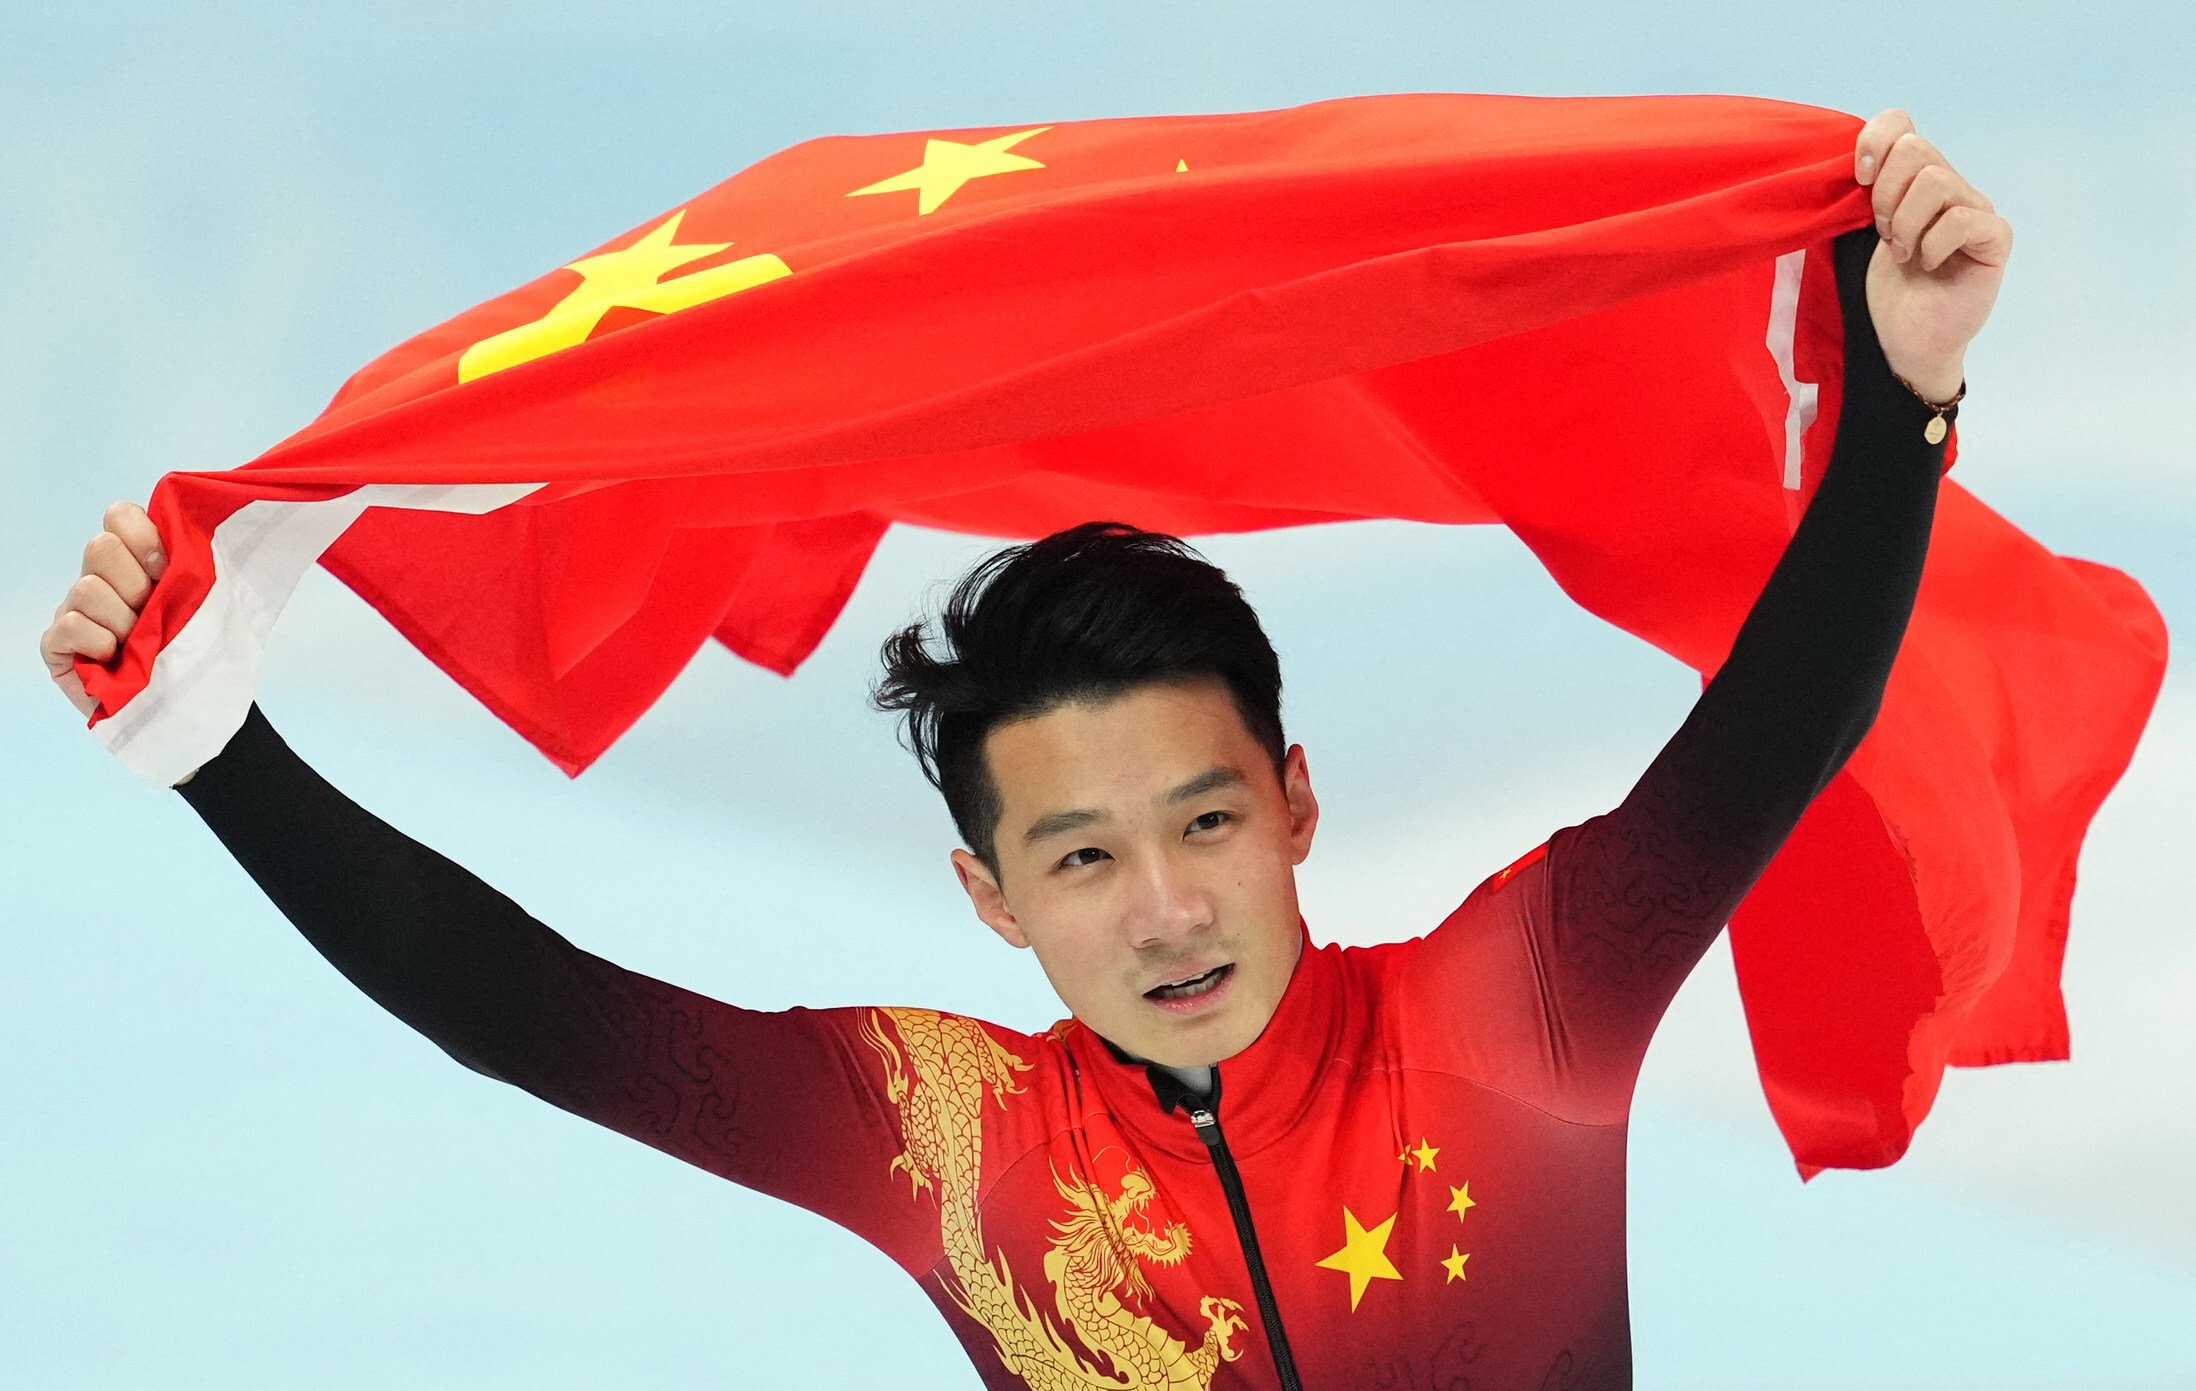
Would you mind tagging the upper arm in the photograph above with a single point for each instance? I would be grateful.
(1632, 899)
(1547, 982)
(788, 1102)
(793, 1103)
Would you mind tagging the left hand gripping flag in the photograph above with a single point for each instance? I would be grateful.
(1608, 323)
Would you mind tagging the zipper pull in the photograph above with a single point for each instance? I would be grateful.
(1208, 1125)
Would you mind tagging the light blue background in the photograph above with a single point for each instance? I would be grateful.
(223, 1167)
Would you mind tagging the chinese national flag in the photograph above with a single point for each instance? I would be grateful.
(1606, 323)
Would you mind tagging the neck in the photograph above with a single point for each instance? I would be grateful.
(1197, 1077)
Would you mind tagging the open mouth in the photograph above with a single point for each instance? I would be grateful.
(1194, 986)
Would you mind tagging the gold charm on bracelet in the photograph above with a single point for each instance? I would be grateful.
(1936, 429)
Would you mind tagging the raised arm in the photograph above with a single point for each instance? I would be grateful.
(426, 939)
(1635, 896)
(1631, 899)
(788, 1102)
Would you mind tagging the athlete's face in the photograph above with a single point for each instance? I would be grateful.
(1144, 840)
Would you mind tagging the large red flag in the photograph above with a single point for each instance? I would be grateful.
(1608, 323)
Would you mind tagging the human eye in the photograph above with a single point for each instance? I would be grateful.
(1216, 818)
(1068, 861)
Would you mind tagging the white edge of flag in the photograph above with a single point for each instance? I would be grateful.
(204, 679)
(1784, 300)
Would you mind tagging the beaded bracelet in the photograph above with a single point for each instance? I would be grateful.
(1934, 431)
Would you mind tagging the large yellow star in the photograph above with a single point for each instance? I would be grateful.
(1455, 1264)
(1425, 1153)
(1460, 1200)
(1364, 1256)
(947, 164)
(629, 279)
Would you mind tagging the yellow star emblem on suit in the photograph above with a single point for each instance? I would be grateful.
(1425, 1153)
(1460, 1200)
(1364, 1256)
(1455, 1264)
(947, 164)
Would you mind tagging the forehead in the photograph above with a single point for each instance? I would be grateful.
(1129, 749)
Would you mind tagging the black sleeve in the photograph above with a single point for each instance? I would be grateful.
(790, 1102)
(426, 939)
(1636, 895)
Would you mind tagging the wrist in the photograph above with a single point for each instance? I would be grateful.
(1935, 382)
(1933, 409)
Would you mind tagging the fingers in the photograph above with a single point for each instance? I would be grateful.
(1910, 159)
(121, 564)
(92, 621)
(1875, 142)
(96, 599)
(135, 526)
(1913, 187)
(1984, 236)
(71, 635)
(108, 559)
(127, 554)
(1930, 190)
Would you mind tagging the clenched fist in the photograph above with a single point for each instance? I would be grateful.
(121, 565)
(1941, 257)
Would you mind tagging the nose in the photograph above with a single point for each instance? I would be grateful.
(1171, 907)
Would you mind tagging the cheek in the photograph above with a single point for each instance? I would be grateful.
(1261, 865)
(1078, 944)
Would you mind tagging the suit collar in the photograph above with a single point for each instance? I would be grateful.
(1260, 1093)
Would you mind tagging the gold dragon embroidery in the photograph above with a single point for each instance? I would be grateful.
(936, 1076)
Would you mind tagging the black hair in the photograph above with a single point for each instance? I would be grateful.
(1081, 615)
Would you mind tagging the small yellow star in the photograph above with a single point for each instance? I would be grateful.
(1460, 1200)
(1181, 166)
(1425, 1153)
(947, 164)
(1364, 1255)
(1455, 1264)
(1403, 1158)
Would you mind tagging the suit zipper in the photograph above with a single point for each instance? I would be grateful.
(1207, 1121)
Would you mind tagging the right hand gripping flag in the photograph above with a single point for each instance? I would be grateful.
(1608, 323)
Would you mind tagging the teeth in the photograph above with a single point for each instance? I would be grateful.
(1194, 985)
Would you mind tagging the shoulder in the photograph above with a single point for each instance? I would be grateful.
(1507, 895)
(915, 1026)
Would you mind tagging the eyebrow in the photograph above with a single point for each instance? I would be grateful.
(1060, 822)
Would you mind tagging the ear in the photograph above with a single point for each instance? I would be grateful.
(1303, 806)
(983, 892)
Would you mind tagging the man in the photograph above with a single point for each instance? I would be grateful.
(1243, 1159)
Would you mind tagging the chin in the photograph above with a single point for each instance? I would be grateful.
(1233, 1027)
